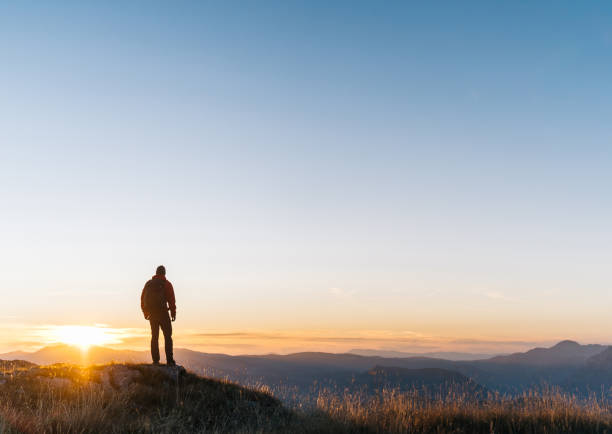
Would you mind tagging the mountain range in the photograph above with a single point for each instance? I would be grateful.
(449, 355)
(568, 365)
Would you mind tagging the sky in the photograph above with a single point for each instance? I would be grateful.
(407, 176)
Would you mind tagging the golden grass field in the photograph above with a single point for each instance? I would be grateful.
(141, 399)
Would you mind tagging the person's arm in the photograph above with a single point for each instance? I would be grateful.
(171, 300)
(142, 302)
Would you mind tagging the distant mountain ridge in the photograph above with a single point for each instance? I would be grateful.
(447, 355)
(564, 353)
(63, 353)
(567, 364)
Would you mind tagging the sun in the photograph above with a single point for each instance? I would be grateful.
(83, 336)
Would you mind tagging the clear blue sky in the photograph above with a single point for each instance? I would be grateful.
(440, 169)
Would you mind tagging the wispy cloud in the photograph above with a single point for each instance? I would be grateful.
(31, 337)
(335, 341)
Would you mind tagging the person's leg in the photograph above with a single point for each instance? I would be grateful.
(154, 339)
(166, 326)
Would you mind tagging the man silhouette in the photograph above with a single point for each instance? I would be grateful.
(156, 299)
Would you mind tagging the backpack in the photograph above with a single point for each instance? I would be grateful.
(155, 296)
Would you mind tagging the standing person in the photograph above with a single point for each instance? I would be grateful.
(156, 300)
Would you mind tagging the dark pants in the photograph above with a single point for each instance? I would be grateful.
(163, 321)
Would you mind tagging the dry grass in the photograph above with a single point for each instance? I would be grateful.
(71, 399)
(535, 412)
(62, 399)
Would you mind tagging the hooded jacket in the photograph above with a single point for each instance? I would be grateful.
(169, 295)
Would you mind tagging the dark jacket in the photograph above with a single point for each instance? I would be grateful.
(169, 295)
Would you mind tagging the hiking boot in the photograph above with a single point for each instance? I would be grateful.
(155, 363)
(171, 363)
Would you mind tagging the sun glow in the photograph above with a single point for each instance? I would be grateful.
(84, 336)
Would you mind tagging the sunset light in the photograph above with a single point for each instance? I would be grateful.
(306, 216)
(84, 336)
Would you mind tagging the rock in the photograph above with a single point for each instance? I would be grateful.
(172, 372)
(118, 377)
(122, 376)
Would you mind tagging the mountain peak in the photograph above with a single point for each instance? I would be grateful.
(567, 344)
(564, 353)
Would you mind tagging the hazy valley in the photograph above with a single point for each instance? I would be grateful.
(569, 366)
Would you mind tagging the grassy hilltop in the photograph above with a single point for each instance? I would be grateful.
(131, 398)
(124, 398)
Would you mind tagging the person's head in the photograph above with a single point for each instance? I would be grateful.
(161, 271)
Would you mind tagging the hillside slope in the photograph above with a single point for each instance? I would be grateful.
(121, 398)
(441, 380)
(566, 352)
(594, 376)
